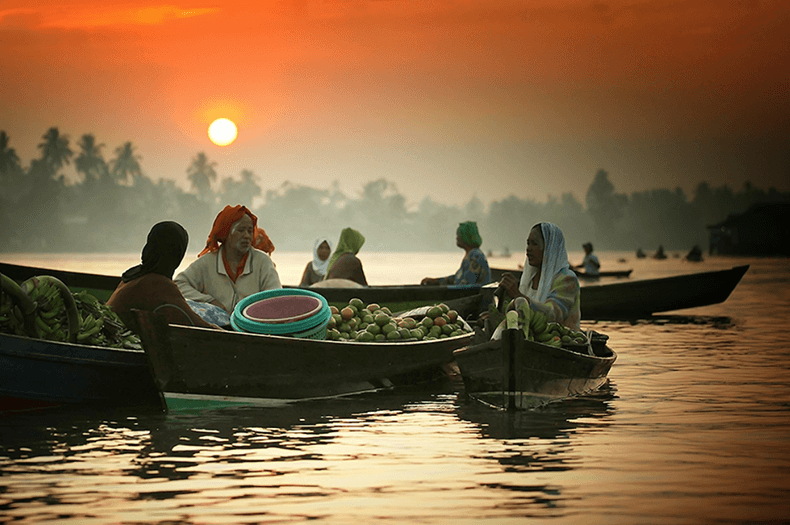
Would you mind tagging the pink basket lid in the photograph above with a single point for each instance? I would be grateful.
(283, 309)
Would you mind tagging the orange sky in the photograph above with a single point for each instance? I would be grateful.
(451, 98)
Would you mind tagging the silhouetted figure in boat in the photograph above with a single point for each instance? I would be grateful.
(591, 265)
(660, 253)
(640, 254)
(695, 255)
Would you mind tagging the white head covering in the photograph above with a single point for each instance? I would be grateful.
(555, 258)
(320, 266)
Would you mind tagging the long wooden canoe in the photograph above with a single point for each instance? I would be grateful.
(639, 298)
(497, 273)
(636, 299)
(192, 363)
(466, 300)
(38, 374)
(619, 300)
(513, 372)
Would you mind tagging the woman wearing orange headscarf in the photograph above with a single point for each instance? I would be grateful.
(234, 264)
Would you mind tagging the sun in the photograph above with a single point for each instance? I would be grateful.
(222, 132)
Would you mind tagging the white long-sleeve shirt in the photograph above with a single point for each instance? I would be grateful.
(206, 279)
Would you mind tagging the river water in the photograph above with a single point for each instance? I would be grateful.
(693, 428)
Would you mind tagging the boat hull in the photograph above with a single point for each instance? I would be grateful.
(516, 373)
(38, 374)
(224, 364)
(634, 299)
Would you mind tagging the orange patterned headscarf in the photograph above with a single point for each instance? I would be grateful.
(221, 229)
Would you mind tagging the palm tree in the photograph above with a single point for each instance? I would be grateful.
(55, 151)
(126, 166)
(201, 174)
(9, 160)
(90, 161)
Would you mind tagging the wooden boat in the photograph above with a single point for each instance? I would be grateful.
(466, 299)
(191, 363)
(513, 372)
(37, 374)
(620, 300)
(619, 274)
(636, 299)
(497, 273)
(644, 297)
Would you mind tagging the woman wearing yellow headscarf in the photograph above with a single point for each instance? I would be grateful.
(344, 263)
(474, 266)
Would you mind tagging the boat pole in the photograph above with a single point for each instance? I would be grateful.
(509, 359)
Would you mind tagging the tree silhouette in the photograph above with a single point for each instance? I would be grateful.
(605, 207)
(55, 151)
(241, 192)
(126, 165)
(90, 161)
(201, 174)
(9, 160)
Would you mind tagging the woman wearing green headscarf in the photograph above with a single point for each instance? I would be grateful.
(344, 263)
(474, 266)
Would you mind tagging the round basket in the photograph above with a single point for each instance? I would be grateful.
(302, 313)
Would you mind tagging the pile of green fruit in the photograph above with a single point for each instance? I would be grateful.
(44, 308)
(371, 323)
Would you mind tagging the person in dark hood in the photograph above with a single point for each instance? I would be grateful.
(149, 285)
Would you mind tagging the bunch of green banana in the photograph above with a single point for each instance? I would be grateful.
(538, 328)
(55, 314)
(11, 321)
(101, 326)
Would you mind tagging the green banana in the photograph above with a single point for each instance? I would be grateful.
(41, 325)
(545, 336)
(49, 314)
(84, 335)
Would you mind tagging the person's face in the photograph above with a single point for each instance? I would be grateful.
(587, 249)
(323, 251)
(241, 234)
(535, 247)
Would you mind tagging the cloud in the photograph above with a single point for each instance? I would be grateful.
(88, 17)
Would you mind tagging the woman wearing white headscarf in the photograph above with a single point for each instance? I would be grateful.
(316, 269)
(547, 283)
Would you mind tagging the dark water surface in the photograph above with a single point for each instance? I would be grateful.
(694, 427)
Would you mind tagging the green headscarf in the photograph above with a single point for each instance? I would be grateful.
(351, 241)
(469, 234)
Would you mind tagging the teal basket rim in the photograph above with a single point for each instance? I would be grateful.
(242, 324)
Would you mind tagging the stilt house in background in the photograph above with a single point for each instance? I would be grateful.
(763, 229)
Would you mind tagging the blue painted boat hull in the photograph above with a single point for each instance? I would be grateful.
(38, 374)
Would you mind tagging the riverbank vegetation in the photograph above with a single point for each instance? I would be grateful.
(113, 204)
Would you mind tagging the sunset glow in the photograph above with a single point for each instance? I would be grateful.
(530, 97)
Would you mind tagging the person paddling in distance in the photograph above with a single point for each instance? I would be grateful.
(547, 284)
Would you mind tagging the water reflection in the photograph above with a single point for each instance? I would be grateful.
(549, 439)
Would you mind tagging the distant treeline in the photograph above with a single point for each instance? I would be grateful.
(114, 204)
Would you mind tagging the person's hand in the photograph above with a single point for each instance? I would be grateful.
(510, 285)
(217, 303)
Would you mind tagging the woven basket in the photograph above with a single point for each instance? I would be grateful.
(313, 327)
